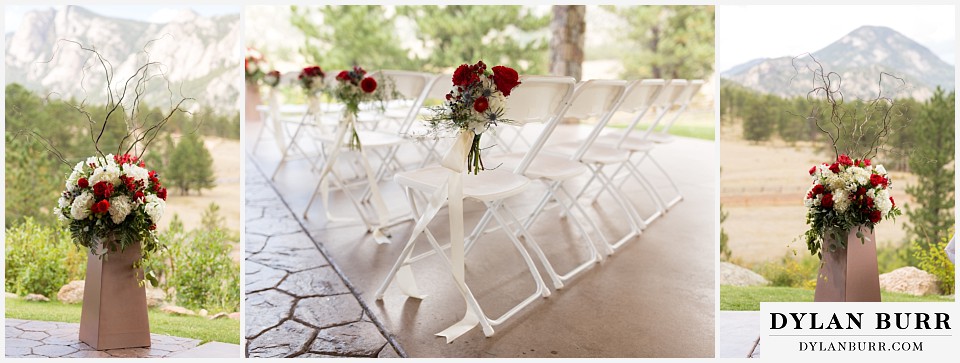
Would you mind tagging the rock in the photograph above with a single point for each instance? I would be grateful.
(11, 295)
(176, 310)
(234, 316)
(36, 297)
(910, 280)
(734, 275)
(155, 297)
(219, 316)
(204, 312)
(71, 293)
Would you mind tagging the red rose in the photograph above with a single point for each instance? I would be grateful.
(835, 168)
(343, 76)
(83, 183)
(876, 180)
(162, 193)
(506, 79)
(102, 190)
(818, 189)
(843, 159)
(481, 104)
(100, 207)
(464, 76)
(813, 169)
(827, 201)
(368, 85)
(875, 216)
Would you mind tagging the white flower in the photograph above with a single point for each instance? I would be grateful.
(882, 201)
(154, 207)
(80, 208)
(119, 208)
(859, 175)
(136, 172)
(835, 182)
(108, 173)
(840, 201)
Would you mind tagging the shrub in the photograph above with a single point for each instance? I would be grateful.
(791, 271)
(932, 258)
(41, 258)
(892, 258)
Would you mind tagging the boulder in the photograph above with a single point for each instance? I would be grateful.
(734, 275)
(219, 316)
(71, 293)
(176, 310)
(36, 297)
(11, 295)
(204, 312)
(234, 316)
(910, 280)
(155, 297)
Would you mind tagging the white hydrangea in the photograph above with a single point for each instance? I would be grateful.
(836, 182)
(840, 200)
(109, 173)
(858, 175)
(80, 208)
(154, 207)
(136, 172)
(882, 201)
(120, 207)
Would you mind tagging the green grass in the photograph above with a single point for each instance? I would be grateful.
(739, 298)
(194, 327)
(702, 131)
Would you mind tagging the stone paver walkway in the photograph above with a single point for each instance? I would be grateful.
(297, 303)
(43, 339)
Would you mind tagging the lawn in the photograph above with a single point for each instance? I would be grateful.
(748, 298)
(194, 327)
(704, 131)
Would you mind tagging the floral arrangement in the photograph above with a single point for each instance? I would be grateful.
(475, 103)
(354, 87)
(253, 65)
(311, 79)
(844, 195)
(272, 78)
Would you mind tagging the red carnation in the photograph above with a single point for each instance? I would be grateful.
(875, 216)
(843, 159)
(866, 162)
(869, 202)
(827, 201)
(481, 104)
(835, 168)
(464, 76)
(876, 180)
(368, 85)
(506, 79)
(861, 191)
(818, 189)
(813, 169)
(343, 76)
(83, 183)
(162, 193)
(138, 195)
(100, 207)
(102, 190)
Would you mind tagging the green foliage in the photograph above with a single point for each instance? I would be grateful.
(348, 36)
(197, 266)
(759, 120)
(790, 271)
(191, 165)
(194, 327)
(932, 258)
(664, 41)
(890, 258)
(31, 180)
(932, 161)
(725, 251)
(40, 259)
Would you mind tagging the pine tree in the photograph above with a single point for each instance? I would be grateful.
(932, 161)
(667, 41)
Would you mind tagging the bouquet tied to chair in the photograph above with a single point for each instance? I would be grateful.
(476, 102)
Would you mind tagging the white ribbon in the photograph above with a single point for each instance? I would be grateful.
(452, 193)
(347, 124)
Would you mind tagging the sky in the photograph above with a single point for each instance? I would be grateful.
(745, 33)
(150, 13)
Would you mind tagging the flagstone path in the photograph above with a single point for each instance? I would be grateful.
(44, 339)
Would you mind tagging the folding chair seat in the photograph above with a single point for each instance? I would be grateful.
(537, 99)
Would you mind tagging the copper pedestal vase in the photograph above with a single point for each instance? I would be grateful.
(849, 274)
(114, 311)
(252, 101)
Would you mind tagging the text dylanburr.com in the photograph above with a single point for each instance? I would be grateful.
(857, 330)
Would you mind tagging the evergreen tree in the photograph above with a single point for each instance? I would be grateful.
(665, 41)
(190, 166)
(932, 161)
(339, 37)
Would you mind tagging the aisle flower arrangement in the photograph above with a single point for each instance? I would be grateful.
(254, 65)
(353, 88)
(311, 79)
(476, 102)
(844, 195)
(272, 78)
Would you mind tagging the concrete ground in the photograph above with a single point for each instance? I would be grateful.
(738, 334)
(653, 298)
(43, 339)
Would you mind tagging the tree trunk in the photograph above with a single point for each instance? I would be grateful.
(566, 46)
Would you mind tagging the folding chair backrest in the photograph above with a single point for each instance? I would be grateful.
(671, 93)
(638, 99)
(440, 87)
(538, 99)
(409, 85)
(683, 100)
(595, 98)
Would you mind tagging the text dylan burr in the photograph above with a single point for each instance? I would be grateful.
(847, 321)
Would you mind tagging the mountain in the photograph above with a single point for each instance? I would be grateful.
(859, 57)
(200, 56)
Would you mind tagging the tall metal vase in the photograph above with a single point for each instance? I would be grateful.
(849, 274)
(114, 313)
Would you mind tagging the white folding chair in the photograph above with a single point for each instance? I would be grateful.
(418, 132)
(537, 99)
